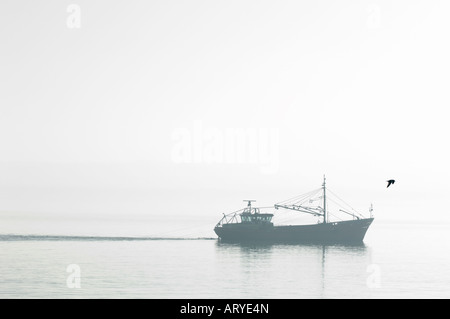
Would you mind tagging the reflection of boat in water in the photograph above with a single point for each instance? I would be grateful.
(250, 224)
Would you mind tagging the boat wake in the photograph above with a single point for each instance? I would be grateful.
(13, 237)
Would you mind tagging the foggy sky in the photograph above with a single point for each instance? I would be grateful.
(92, 116)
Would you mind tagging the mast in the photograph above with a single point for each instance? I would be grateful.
(249, 205)
(324, 201)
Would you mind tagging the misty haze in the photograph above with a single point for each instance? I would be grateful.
(129, 130)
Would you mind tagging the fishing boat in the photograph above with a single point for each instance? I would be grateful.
(251, 224)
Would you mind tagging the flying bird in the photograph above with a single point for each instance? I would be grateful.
(391, 181)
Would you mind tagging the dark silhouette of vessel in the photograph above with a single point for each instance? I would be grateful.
(251, 225)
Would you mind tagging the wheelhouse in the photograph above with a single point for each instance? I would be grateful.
(256, 218)
(249, 216)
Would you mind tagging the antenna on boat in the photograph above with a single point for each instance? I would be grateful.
(324, 201)
(371, 210)
(249, 205)
(249, 202)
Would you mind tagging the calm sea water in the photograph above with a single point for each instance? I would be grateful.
(397, 260)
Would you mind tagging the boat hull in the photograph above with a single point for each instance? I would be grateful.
(351, 231)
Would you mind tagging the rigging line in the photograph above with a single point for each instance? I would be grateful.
(344, 201)
(341, 199)
(242, 209)
(309, 197)
(337, 203)
(353, 213)
(298, 196)
(304, 199)
(235, 212)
